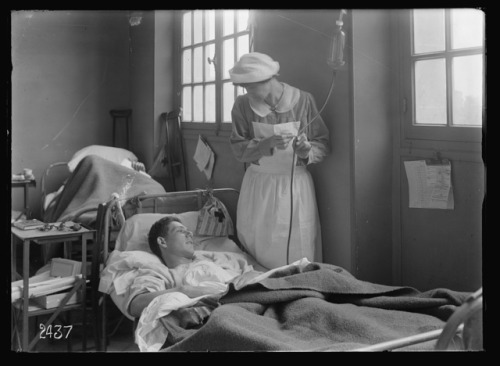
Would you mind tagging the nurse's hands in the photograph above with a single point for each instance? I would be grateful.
(302, 146)
(277, 141)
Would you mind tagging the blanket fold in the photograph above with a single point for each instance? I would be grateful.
(93, 181)
(320, 306)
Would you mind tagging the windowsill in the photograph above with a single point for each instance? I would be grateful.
(193, 129)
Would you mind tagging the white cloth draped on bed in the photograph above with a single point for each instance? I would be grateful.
(132, 272)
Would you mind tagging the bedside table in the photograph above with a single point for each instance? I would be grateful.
(23, 306)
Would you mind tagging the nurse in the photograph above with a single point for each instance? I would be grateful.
(265, 121)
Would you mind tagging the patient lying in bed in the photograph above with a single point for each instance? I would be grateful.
(176, 274)
(192, 300)
(191, 273)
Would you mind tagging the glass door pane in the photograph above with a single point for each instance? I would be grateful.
(227, 101)
(467, 28)
(228, 57)
(187, 116)
(210, 103)
(468, 90)
(430, 92)
(186, 66)
(227, 22)
(198, 103)
(428, 30)
(186, 29)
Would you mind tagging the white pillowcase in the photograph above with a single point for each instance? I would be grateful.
(134, 233)
(114, 154)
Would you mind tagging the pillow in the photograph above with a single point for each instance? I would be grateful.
(114, 154)
(134, 233)
(217, 244)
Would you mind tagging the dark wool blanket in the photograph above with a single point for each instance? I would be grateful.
(93, 181)
(320, 307)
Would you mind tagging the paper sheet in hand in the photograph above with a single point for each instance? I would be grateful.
(429, 184)
(280, 157)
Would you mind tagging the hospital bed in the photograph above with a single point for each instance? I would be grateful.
(300, 307)
(92, 175)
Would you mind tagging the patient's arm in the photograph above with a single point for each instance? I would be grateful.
(141, 301)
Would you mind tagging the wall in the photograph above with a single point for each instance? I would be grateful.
(436, 248)
(373, 128)
(151, 81)
(69, 69)
(299, 40)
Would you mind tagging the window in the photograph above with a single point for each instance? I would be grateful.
(211, 41)
(443, 73)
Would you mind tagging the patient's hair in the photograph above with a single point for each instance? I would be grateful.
(159, 228)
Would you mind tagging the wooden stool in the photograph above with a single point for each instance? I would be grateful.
(125, 115)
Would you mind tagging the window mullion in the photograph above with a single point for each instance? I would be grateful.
(218, 68)
(235, 48)
(448, 62)
(203, 60)
(192, 65)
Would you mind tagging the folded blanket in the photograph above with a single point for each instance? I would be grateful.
(93, 181)
(316, 307)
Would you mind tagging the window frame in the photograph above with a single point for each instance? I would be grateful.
(218, 125)
(446, 132)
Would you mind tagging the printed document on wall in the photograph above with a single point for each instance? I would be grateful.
(429, 184)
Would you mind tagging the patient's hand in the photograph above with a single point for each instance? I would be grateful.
(243, 279)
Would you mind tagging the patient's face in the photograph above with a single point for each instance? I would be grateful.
(180, 240)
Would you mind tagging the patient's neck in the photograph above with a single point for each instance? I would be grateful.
(173, 261)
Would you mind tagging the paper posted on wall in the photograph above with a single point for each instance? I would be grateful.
(204, 157)
(429, 184)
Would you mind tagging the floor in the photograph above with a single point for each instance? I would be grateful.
(121, 340)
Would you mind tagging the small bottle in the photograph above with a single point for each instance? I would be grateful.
(336, 55)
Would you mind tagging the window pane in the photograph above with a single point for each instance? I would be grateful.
(227, 101)
(186, 66)
(197, 22)
(243, 44)
(210, 103)
(468, 90)
(228, 57)
(467, 28)
(186, 104)
(186, 29)
(209, 67)
(428, 30)
(209, 25)
(242, 19)
(227, 22)
(198, 104)
(430, 92)
(198, 65)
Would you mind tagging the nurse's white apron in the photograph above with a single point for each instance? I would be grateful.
(263, 213)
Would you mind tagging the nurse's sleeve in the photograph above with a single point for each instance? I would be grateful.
(317, 134)
(245, 147)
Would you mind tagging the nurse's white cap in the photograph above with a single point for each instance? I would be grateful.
(253, 67)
